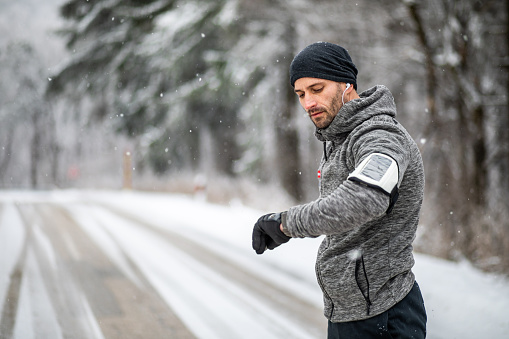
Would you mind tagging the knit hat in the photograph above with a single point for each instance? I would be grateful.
(324, 60)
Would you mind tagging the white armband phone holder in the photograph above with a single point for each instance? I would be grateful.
(379, 171)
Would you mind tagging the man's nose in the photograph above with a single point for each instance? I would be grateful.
(309, 102)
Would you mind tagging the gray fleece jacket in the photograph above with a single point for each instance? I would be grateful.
(364, 263)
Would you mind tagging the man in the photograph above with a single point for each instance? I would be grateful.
(371, 182)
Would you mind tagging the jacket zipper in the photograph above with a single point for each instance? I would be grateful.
(359, 264)
(318, 274)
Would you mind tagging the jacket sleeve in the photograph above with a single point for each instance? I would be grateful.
(351, 205)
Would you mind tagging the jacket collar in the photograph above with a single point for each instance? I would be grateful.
(377, 100)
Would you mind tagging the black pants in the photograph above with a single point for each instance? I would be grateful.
(406, 319)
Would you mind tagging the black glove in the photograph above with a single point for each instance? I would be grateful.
(267, 234)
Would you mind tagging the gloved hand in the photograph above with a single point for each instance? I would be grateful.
(267, 234)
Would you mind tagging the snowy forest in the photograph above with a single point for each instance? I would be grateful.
(175, 95)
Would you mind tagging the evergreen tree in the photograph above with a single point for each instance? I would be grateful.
(179, 76)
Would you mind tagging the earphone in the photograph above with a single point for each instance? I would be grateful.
(343, 96)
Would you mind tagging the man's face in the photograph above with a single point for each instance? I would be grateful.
(320, 98)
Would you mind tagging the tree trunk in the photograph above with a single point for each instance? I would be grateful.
(35, 153)
(479, 149)
(7, 153)
(289, 154)
(507, 83)
(431, 81)
(286, 130)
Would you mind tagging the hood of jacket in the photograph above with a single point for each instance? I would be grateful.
(377, 100)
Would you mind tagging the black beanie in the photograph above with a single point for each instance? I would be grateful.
(324, 60)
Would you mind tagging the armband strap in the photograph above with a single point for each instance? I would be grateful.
(380, 172)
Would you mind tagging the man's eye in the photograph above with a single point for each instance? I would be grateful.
(317, 90)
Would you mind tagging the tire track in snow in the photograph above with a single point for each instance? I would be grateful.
(305, 319)
(10, 306)
(60, 258)
(88, 296)
(122, 308)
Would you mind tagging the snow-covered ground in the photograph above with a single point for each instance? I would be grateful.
(461, 301)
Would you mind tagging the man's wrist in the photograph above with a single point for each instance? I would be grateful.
(282, 226)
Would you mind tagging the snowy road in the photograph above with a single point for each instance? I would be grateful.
(80, 270)
(92, 264)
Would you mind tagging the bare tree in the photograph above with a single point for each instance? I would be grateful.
(457, 39)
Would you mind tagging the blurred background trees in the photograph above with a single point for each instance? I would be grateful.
(200, 88)
(26, 123)
(464, 47)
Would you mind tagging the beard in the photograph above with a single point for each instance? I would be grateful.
(328, 113)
